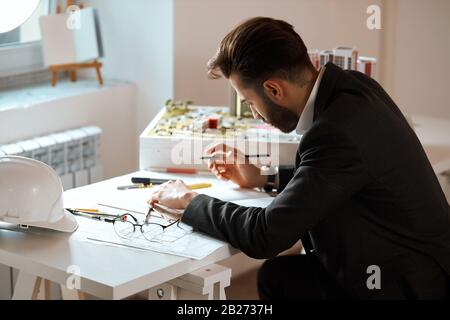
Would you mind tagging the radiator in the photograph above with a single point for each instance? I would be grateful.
(74, 154)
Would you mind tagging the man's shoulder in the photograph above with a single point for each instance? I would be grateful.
(324, 132)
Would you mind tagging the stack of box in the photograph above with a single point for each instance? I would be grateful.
(346, 58)
(326, 56)
(367, 66)
(314, 56)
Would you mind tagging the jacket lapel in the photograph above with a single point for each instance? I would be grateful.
(325, 92)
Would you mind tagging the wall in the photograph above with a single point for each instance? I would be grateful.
(138, 42)
(412, 46)
(418, 48)
(201, 24)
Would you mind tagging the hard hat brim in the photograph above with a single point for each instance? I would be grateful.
(67, 223)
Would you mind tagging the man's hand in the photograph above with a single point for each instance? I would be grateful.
(173, 195)
(230, 164)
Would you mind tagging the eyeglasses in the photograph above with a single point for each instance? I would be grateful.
(127, 226)
(159, 230)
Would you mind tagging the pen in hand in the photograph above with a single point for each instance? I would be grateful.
(148, 215)
(247, 156)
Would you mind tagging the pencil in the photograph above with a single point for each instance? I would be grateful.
(87, 210)
(181, 170)
(148, 215)
(195, 186)
(135, 186)
(247, 156)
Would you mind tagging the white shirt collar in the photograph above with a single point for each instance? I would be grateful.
(306, 118)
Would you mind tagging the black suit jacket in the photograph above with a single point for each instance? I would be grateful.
(362, 188)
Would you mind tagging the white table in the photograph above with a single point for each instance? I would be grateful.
(110, 272)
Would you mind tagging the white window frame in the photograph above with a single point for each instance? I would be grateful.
(22, 58)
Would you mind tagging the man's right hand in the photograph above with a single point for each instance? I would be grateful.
(230, 164)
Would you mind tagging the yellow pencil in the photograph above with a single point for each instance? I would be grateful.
(192, 186)
(87, 210)
(201, 185)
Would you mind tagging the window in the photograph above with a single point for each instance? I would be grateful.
(20, 50)
(29, 31)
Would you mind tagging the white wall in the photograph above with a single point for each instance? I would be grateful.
(138, 43)
(201, 24)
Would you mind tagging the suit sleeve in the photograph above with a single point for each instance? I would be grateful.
(285, 174)
(330, 172)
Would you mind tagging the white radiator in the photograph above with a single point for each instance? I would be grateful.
(74, 154)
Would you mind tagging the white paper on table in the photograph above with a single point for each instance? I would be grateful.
(230, 192)
(192, 245)
(259, 202)
(133, 200)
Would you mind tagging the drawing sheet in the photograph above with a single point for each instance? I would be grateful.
(174, 241)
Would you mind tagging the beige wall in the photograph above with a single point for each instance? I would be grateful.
(201, 24)
(418, 51)
(412, 46)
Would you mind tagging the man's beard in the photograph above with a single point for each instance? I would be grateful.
(279, 116)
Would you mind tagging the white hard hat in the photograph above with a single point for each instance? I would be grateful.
(31, 194)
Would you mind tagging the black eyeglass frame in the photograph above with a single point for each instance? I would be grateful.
(115, 218)
(141, 225)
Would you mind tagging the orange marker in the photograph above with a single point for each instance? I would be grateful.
(181, 170)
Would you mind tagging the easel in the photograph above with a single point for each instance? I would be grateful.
(72, 68)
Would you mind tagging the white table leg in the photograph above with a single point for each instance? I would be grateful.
(219, 291)
(165, 291)
(71, 294)
(27, 286)
(207, 283)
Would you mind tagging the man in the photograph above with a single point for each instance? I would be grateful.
(362, 196)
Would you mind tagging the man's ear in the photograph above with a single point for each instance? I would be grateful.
(274, 90)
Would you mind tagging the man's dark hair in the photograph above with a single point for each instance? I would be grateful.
(260, 48)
